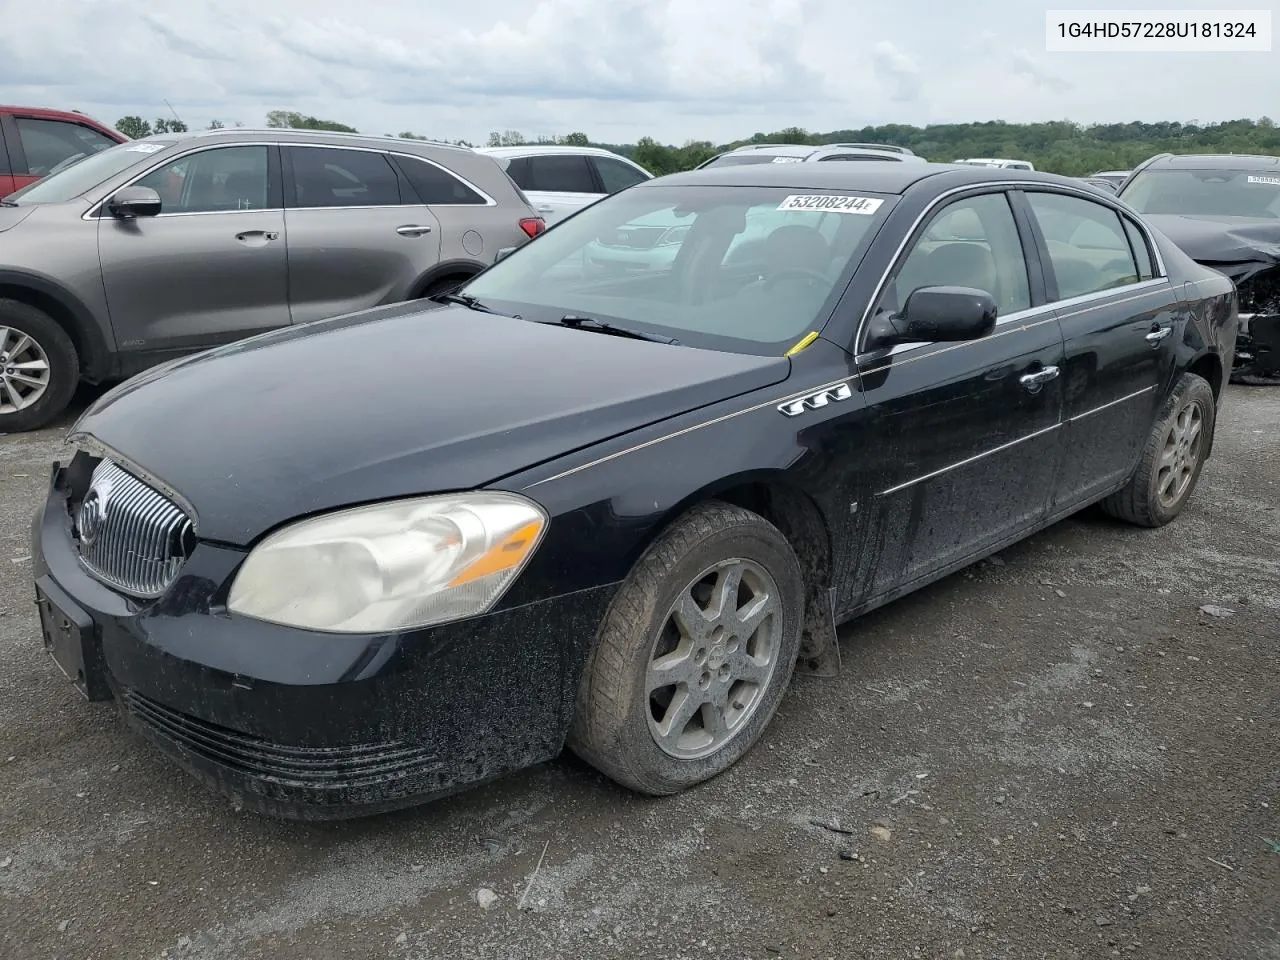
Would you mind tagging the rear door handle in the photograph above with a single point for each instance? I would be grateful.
(413, 230)
(257, 235)
(1158, 334)
(1034, 381)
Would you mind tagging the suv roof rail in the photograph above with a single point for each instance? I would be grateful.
(773, 146)
(891, 147)
(342, 134)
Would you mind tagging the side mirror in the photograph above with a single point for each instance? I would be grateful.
(132, 202)
(938, 315)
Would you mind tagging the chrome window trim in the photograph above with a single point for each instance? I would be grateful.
(95, 207)
(992, 187)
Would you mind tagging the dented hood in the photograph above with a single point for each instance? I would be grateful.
(1240, 247)
(394, 402)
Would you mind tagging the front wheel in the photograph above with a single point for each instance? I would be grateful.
(39, 368)
(695, 653)
(1172, 459)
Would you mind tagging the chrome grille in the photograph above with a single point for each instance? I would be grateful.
(130, 535)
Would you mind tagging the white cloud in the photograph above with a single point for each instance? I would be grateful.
(618, 70)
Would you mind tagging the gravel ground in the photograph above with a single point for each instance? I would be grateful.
(1054, 754)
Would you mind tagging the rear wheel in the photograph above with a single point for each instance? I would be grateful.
(39, 368)
(1172, 459)
(694, 654)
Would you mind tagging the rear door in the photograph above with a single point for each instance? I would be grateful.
(211, 267)
(39, 146)
(557, 184)
(358, 234)
(1118, 320)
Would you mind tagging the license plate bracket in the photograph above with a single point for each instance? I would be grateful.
(71, 639)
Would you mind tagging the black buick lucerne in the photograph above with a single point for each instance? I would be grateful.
(614, 503)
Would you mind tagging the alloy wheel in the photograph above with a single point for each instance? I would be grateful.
(24, 370)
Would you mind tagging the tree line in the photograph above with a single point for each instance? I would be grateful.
(1060, 146)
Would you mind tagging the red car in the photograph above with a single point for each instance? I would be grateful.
(34, 142)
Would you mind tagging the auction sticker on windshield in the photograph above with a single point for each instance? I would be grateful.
(1275, 181)
(829, 203)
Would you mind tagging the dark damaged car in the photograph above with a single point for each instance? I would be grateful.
(1224, 211)
(617, 513)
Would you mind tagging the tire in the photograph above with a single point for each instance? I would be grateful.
(616, 726)
(1142, 502)
(40, 339)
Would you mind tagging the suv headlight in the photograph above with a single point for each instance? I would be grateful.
(390, 566)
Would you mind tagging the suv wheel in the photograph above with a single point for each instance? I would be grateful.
(39, 368)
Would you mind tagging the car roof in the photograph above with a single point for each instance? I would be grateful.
(332, 137)
(893, 177)
(537, 149)
(1216, 161)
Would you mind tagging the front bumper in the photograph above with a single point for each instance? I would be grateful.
(1258, 345)
(308, 725)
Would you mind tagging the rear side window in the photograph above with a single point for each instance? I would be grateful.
(50, 144)
(561, 173)
(1088, 248)
(434, 185)
(343, 178)
(616, 175)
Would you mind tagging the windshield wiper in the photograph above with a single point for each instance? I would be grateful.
(600, 326)
(470, 302)
(7, 203)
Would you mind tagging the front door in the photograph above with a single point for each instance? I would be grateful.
(964, 436)
(211, 267)
(1117, 323)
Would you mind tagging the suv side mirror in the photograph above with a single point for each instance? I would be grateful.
(937, 315)
(132, 202)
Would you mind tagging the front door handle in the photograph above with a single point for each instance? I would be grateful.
(1034, 381)
(257, 237)
(1157, 334)
(413, 230)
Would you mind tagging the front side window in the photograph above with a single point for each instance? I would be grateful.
(972, 242)
(616, 175)
(325, 177)
(219, 180)
(1088, 249)
(745, 269)
(1211, 193)
(51, 144)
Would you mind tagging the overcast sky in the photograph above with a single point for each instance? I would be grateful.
(614, 69)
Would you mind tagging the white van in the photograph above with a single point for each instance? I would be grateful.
(997, 162)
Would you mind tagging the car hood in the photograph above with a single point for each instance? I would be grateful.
(1240, 247)
(393, 402)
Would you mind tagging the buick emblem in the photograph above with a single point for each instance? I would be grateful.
(93, 514)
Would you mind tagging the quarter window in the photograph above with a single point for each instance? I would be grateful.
(434, 185)
(50, 144)
(1138, 241)
(972, 242)
(1088, 248)
(325, 177)
(212, 181)
(616, 175)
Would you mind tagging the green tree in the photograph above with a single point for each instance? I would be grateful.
(135, 128)
(506, 138)
(576, 139)
(215, 125)
(292, 120)
(164, 125)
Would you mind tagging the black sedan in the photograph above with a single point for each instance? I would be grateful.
(367, 561)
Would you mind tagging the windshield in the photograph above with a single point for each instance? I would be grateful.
(1215, 193)
(87, 173)
(748, 157)
(741, 269)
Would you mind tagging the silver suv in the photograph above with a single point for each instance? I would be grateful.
(176, 243)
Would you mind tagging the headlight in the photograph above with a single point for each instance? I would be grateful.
(391, 566)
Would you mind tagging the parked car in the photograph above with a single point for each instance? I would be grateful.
(616, 515)
(1000, 162)
(1113, 177)
(35, 142)
(560, 181)
(757, 153)
(1224, 211)
(1099, 182)
(172, 244)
